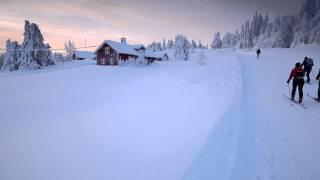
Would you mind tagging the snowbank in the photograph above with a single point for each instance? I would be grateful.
(97, 122)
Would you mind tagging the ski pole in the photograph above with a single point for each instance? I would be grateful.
(290, 93)
(289, 89)
(313, 75)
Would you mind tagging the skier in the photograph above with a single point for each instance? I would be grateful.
(74, 56)
(307, 64)
(258, 53)
(297, 74)
(318, 78)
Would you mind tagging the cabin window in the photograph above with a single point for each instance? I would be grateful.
(107, 50)
(103, 61)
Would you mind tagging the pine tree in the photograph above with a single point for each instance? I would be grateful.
(70, 49)
(11, 57)
(228, 40)
(1, 59)
(284, 31)
(164, 45)
(193, 44)
(216, 43)
(170, 44)
(34, 52)
(182, 47)
(200, 45)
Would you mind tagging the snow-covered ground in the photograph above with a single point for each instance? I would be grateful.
(226, 119)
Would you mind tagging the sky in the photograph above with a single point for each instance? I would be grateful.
(140, 21)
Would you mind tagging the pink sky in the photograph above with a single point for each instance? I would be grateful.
(140, 21)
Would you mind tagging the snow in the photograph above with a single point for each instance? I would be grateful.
(138, 46)
(149, 53)
(85, 54)
(224, 119)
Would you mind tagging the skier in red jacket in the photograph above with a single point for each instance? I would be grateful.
(318, 78)
(297, 74)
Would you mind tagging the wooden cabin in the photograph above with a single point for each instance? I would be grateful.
(110, 52)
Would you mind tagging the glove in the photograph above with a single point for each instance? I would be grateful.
(288, 81)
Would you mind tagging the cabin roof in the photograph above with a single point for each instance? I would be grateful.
(150, 54)
(84, 54)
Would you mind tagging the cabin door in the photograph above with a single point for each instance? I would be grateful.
(103, 61)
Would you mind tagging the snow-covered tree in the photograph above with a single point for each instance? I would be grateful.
(255, 27)
(216, 43)
(284, 31)
(35, 53)
(1, 59)
(194, 44)
(11, 57)
(170, 44)
(285, 34)
(229, 40)
(155, 46)
(305, 23)
(58, 57)
(314, 35)
(158, 46)
(70, 49)
(265, 24)
(164, 44)
(201, 46)
(182, 47)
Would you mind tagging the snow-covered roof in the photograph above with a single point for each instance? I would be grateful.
(150, 54)
(84, 54)
(121, 48)
(138, 46)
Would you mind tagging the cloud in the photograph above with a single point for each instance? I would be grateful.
(141, 21)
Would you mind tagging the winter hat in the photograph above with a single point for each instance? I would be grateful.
(298, 64)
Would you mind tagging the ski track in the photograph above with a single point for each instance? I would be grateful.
(262, 137)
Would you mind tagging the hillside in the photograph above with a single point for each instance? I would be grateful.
(222, 118)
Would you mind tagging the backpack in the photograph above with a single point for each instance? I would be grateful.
(309, 61)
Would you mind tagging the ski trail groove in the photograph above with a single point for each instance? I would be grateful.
(229, 145)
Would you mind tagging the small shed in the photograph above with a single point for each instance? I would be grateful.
(82, 55)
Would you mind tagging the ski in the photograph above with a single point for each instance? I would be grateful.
(314, 98)
(301, 104)
(288, 99)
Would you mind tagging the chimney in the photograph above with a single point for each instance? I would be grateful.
(124, 40)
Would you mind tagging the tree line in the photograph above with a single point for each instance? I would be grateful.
(283, 32)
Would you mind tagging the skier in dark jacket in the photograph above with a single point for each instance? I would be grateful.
(318, 78)
(74, 56)
(258, 53)
(307, 65)
(297, 74)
